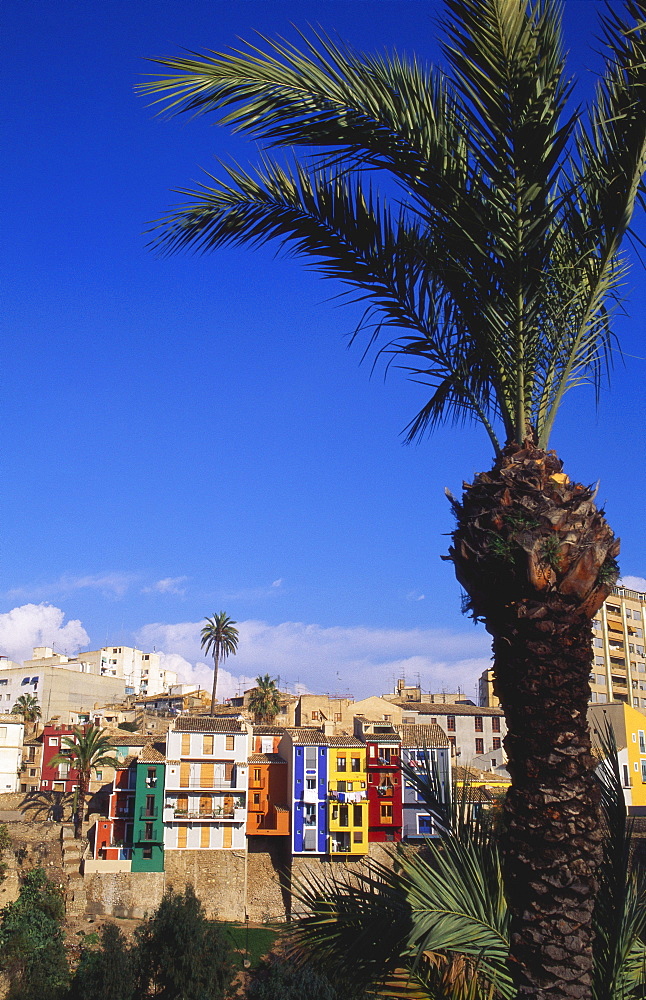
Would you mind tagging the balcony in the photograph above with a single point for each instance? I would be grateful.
(146, 813)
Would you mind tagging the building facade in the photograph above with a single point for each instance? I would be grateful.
(618, 672)
(268, 811)
(425, 750)
(12, 730)
(347, 797)
(205, 804)
(306, 753)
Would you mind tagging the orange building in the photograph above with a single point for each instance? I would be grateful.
(268, 811)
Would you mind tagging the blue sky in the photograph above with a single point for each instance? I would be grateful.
(191, 434)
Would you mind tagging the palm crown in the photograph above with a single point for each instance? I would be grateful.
(219, 637)
(500, 251)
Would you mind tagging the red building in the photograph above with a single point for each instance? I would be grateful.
(113, 833)
(383, 748)
(62, 777)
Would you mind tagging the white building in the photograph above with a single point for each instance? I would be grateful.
(475, 733)
(140, 672)
(205, 805)
(12, 730)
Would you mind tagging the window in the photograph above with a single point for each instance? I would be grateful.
(25, 680)
(309, 815)
(337, 717)
(452, 741)
(147, 853)
(229, 743)
(148, 831)
(494, 762)
(597, 641)
(257, 774)
(99, 775)
(310, 758)
(626, 777)
(3, 680)
(343, 815)
(496, 743)
(186, 744)
(425, 825)
(642, 741)
(256, 798)
(310, 783)
(227, 836)
(386, 812)
(355, 764)
(357, 815)
(450, 723)
(207, 744)
(150, 805)
(644, 771)
(309, 839)
(479, 723)
(495, 723)
(357, 838)
(629, 613)
(315, 716)
(479, 746)
(341, 763)
(228, 772)
(151, 777)
(32, 772)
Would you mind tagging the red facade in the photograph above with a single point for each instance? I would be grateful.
(60, 778)
(384, 789)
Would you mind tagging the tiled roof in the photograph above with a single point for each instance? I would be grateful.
(126, 762)
(475, 774)
(207, 724)
(266, 758)
(344, 741)
(420, 737)
(149, 755)
(269, 730)
(124, 738)
(308, 737)
(393, 737)
(429, 708)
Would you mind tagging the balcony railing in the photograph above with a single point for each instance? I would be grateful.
(146, 813)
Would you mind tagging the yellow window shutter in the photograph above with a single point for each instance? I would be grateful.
(207, 777)
(207, 744)
(181, 836)
(184, 774)
(186, 744)
(205, 835)
(227, 836)
(228, 772)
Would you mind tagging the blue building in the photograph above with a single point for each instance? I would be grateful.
(306, 751)
(422, 746)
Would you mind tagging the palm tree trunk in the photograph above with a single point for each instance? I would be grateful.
(216, 663)
(537, 559)
(80, 806)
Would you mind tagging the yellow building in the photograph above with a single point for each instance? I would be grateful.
(347, 797)
(629, 727)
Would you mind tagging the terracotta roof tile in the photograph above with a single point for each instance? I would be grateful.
(269, 730)
(345, 741)
(266, 758)
(307, 737)
(207, 724)
(419, 737)
(149, 755)
(429, 708)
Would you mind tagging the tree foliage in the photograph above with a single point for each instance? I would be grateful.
(31, 940)
(27, 705)
(264, 700)
(219, 637)
(88, 749)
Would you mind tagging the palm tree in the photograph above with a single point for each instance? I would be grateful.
(495, 265)
(27, 706)
(220, 638)
(264, 700)
(85, 751)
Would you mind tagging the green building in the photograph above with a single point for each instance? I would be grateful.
(148, 828)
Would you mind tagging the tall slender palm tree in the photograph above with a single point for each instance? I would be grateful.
(85, 751)
(220, 638)
(481, 222)
(264, 700)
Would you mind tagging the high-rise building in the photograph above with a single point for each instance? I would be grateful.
(619, 665)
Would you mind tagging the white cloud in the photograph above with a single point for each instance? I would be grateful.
(363, 661)
(278, 582)
(634, 583)
(39, 625)
(414, 595)
(169, 585)
(110, 585)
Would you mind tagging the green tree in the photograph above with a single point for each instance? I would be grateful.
(495, 268)
(106, 972)
(31, 941)
(180, 954)
(264, 700)
(85, 751)
(219, 637)
(27, 706)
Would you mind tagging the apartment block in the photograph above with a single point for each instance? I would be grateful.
(629, 728)
(347, 797)
(268, 812)
(383, 768)
(425, 749)
(306, 752)
(205, 804)
(619, 666)
(65, 692)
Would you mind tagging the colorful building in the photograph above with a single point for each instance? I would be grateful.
(629, 728)
(205, 804)
(306, 751)
(347, 797)
(268, 810)
(148, 826)
(383, 747)
(58, 777)
(425, 749)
